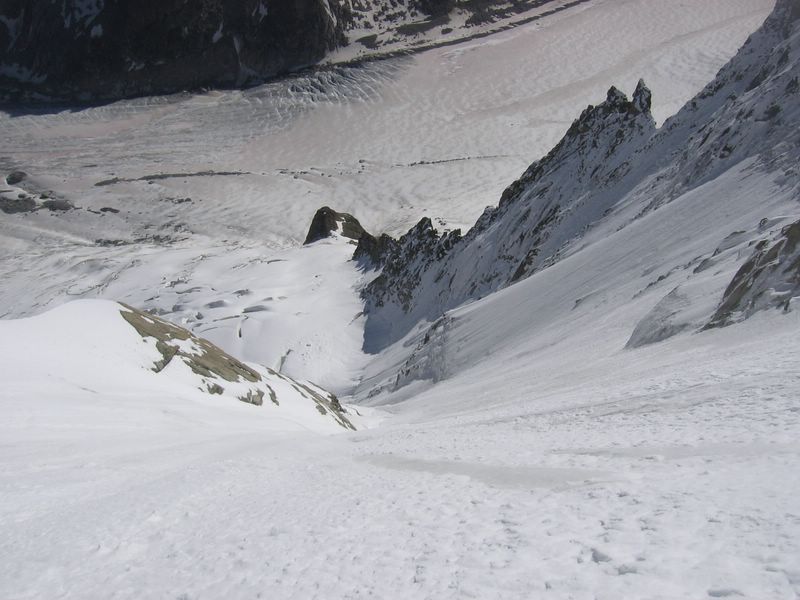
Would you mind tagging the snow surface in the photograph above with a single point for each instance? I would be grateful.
(668, 473)
(547, 461)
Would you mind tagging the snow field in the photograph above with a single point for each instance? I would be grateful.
(548, 462)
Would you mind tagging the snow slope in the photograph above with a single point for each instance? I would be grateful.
(105, 369)
(530, 450)
(668, 473)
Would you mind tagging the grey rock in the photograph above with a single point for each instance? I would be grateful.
(57, 205)
(770, 278)
(642, 97)
(21, 204)
(373, 251)
(327, 221)
(16, 177)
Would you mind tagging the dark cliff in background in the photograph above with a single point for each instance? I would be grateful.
(105, 49)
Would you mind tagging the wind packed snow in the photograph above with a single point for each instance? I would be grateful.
(576, 435)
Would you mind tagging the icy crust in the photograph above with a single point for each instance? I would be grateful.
(612, 167)
(97, 346)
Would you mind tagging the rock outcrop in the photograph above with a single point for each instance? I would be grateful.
(220, 373)
(372, 252)
(327, 221)
(770, 278)
(16, 177)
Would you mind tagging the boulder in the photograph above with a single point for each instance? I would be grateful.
(16, 177)
(20, 204)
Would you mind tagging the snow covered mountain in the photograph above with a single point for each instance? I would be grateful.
(612, 168)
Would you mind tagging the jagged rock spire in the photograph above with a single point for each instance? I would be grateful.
(642, 97)
(640, 102)
(616, 98)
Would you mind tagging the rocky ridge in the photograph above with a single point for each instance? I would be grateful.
(770, 278)
(426, 274)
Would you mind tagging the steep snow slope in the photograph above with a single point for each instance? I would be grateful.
(549, 461)
(662, 275)
(665, 473)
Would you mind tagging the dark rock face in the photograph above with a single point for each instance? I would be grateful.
(21, 204)
(435, 8)
(16, 177)
(770, 278)
(642, 98)
(326, 221)
(108, 49)
(407, 259)
(372, 251)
